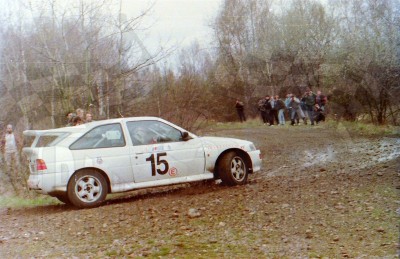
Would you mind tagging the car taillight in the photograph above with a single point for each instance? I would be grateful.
(40, 165)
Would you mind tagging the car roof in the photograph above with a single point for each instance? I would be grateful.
(87, 126)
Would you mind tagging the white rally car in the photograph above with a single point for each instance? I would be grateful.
(82, 164)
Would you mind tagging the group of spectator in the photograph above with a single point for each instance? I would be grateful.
(272, 110)
(310, 106)
(78, 118)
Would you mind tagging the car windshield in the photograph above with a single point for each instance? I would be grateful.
(50, 139)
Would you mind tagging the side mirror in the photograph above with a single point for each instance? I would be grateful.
(185, 136)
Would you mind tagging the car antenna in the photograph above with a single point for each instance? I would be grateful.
(122, 116)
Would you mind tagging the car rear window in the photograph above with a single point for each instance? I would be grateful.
(105, 136)
(28, 140)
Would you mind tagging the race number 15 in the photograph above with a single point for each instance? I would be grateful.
(157, 166)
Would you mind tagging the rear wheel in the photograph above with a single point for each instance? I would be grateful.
(232, 169)
(87, 189)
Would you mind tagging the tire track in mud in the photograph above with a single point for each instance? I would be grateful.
(354, 155)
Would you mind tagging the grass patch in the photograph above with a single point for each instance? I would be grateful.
(366, 129)
(359, 128)
(250, 123)
(164, 251)
(18, 202)
(112, 253)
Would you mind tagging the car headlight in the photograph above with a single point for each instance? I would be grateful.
(252, 147)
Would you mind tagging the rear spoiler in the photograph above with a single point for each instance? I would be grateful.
(34, 133)
(28, 151)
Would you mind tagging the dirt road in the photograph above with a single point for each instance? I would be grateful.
(321, 193)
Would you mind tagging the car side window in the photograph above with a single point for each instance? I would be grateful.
(105, 136)
(152, 132)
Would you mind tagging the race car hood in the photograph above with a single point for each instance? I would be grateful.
(223, 143)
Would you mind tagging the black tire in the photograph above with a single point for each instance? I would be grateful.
(232, 169)
(87, 189)
(63, 198)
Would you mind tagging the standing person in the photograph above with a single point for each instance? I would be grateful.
(10, 146)
(77, 121)
(240, 110)
(80, 113)
(280, 106)
(321, 100)
(289, 108)
(295, 107)
(89, 118)
(309, 99)
(70, 117)
(268, 108)
(261, 108)
(274, 111)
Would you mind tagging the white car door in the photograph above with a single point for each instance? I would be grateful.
(105, 147)
(158, 152)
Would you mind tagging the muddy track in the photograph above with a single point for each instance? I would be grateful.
(321, 192)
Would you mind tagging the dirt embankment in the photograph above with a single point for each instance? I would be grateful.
(321, 193)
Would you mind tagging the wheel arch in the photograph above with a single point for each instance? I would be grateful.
(97, 170)
(238, 151)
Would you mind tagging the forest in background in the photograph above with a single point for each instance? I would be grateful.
(88, 55)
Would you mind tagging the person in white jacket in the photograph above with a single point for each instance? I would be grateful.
(10, 147)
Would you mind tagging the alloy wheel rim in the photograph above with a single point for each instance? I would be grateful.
(238, 169)
(88, 188)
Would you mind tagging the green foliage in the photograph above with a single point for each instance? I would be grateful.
(366, 129)
(17, 202)
(250, 123)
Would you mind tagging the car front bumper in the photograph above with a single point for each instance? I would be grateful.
(256, 160)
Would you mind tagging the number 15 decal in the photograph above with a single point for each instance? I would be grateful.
(160, 161)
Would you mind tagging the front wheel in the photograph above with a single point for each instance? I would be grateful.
(87, 189)
(232, 169)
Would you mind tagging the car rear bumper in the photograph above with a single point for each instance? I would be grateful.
(46, 183)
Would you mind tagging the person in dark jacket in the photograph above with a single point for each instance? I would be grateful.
(268, 108)
(240, 110)
(274, 111)
(319, 114)
(321, 100)
(261, 108)
(264, 107)
(309, 99)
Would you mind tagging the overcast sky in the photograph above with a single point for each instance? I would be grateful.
(177, 22)
(170, 23)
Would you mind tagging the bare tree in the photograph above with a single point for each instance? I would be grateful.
(370, 46)
(74, 55)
